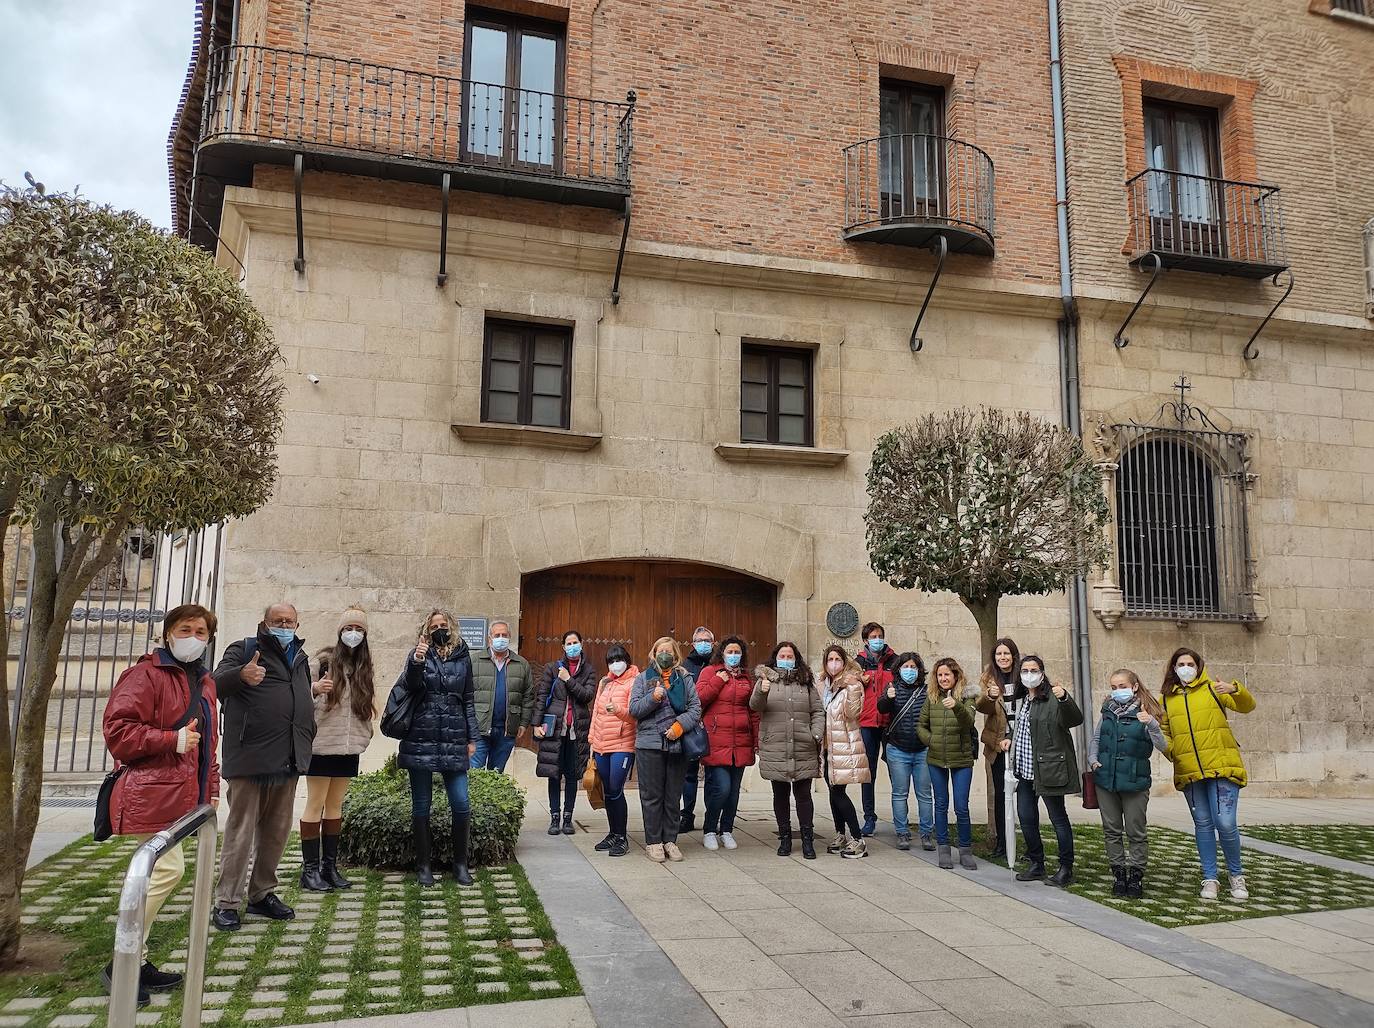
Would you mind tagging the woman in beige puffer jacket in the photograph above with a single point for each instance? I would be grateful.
(846, 759)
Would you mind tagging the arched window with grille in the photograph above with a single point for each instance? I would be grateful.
(1181, 524)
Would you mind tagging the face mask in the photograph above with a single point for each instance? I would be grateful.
(1031, 679)
(733, 659)
(786, 664)
(573, 650)
(187, 648)
(834, 667)
(877, 645)
(351, 639)
(664, 660)
(1123, 695)
(702, 647)
(439, 637)
(500, 644)
(1185, 673)
(909, 675)
(285, 636)
(618, 667)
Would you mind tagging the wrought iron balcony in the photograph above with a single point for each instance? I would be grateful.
(1206, 224)
(914, 189)
(264, 105)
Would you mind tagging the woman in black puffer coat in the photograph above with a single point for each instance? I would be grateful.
(442, 737)
(566, 690)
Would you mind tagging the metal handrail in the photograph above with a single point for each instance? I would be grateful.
(1262, 188)
(128, 942)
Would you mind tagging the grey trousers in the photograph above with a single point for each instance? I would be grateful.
(660, 793)
(1123, 813)
(257, 829)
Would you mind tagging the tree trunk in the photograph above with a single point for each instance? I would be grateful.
(986, 615)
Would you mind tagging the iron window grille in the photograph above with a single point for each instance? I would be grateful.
(1360, 7)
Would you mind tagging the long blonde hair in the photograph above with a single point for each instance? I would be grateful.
(653, 651)
(1148, 703)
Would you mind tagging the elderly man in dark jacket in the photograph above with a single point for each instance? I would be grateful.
(264, 688)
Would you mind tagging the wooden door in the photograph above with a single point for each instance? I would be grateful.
(635, 602)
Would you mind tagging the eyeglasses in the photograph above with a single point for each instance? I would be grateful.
(283, 623)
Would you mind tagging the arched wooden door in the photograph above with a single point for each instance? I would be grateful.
(634, 602)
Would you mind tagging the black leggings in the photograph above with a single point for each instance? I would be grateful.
(782, 804)
(842, 810)
(567, 776)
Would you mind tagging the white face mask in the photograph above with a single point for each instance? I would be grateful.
(352, 639)
(618, 667)
(1031, 679)
(1185, 673)
(187, 648)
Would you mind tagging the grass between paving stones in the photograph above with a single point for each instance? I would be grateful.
(1174, 877)
(1350, 842)
(290, 958)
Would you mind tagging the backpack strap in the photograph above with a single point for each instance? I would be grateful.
(250, 647)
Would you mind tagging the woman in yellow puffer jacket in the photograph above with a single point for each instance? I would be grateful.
(1207, 764)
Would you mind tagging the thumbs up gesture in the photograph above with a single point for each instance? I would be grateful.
(892, 692)
(1059, 692)
(253, 672)
(324, 686)
(192, 736)
(421, 648)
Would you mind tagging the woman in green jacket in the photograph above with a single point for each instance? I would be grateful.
(946, 729)
(1046, 768)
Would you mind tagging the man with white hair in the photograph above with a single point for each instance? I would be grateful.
(703, 642)
(505, 698)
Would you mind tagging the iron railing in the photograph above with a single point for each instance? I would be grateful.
(133, 898)
(915, 178)
(1364, 8)
(1182, 532)
(1197, 220)
(311, 102)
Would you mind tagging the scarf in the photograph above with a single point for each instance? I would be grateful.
(677, 690)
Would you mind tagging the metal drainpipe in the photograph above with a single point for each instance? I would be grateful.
(1068, 374)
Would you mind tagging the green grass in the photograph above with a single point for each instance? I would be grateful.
(1350, 842)
(442, 969)
(1174, 878)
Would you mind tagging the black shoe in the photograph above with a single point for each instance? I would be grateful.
(143, 998)
(1034, 873)
(150, 978)
(1062, 877)
(270, 906)
(311, 879)
(226, 919)
(568, 828)
(1135, 882)
(870, 824)
(419, 827)
(555, 825)
(329, 863)
(785, 842)
(808, 843)
(686, 823)
(619, 846)
(1118, 879)
(605, 844)
(461, 874)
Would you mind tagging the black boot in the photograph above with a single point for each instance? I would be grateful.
(1034, 873)
(785, 841)
(461, 825)
(329, 862)
(568, 828)
(311, 879)
(1118, 879)
(808, 843)
(1135, 882)
(1063, 877)
(420, 828)
(555, 823)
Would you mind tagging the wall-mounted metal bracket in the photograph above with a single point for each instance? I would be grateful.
(443, 233)
(1122, 341)
(620, 259)
(1250, 353)
(943, 249)
(299, 173)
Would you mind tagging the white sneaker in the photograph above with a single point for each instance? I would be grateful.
(1238, 889)
(1210, 888)
(728, 841)
(710, 840)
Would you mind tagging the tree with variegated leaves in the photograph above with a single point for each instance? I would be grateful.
(137, 389)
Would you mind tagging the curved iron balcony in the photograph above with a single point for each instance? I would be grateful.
(264, 105)
(1199, 223)
(913, 188)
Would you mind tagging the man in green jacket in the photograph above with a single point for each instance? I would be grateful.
(505, 699)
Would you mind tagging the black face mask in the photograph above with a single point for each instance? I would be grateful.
(439, 637)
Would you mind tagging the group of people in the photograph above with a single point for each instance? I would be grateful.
(704, 714)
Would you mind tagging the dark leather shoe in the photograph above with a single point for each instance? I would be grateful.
(606, 843)
(226, 919)
(785, 842)
(143, 998)
(619, 846)
(1034, 873)
(270, 906)
(150, 978)
(568, 828)
(555, 827)
(1062, 877)
(686, 824)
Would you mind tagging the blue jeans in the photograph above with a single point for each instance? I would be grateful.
(1213, 803)
(689, 789)
(493, 751)
(722, 797)
(906, 770)
(962, 779)
(614, 770)
(422, 791)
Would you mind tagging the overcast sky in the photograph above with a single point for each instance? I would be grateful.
(87, 93)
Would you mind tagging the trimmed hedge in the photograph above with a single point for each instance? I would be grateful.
(377, 819)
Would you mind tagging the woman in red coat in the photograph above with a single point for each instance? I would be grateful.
(725, 687)
(160, 727)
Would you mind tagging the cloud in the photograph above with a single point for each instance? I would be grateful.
(87, 95)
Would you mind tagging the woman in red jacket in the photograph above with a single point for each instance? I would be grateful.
(160, 726)
(725, 687)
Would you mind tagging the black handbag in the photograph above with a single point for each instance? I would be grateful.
(399, 714)
(696, 743)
